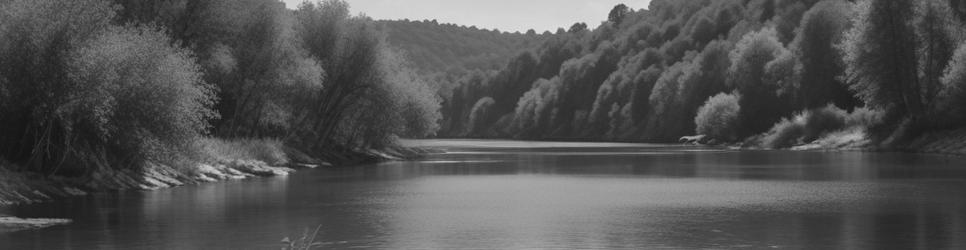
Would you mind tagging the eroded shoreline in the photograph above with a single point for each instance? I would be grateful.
(25, 188)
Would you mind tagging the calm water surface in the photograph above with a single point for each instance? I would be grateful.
(512, 195)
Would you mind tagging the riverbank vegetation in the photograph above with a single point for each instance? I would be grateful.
(89, 87)
(759, 73)
(93, 86)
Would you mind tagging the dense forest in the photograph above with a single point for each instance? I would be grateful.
(101, 84)
(442, 53)
(774, 73)
(94, 84)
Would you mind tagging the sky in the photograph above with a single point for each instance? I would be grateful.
(506, 15)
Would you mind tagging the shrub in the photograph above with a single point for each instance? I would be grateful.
(823, 120)
(143, 99)
(271, 151)
(864, 118)
(811, 125)
(718, 118)
(785, 134)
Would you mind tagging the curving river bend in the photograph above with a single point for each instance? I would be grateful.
(514, 195)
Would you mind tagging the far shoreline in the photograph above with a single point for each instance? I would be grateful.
(949, 143)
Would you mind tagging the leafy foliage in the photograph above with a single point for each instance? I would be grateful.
(811, 125)
(99, 83)
(953, 99)
(785, 134)
(936, 40)
(718, 118)
(880, 56)
(642, 75)
(86, 93)
(822, 29)
(140, 96)
(753, 64)
(443, 53)
(479, 115)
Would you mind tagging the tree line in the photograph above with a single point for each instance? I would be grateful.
(115, 84)
(769, 72)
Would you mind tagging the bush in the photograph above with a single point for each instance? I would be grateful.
(811, 125)
(143, 98)
(785, 134)
(718, 118)
(864, 118)
(823, 120)
(271, 151)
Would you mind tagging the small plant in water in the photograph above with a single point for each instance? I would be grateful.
(306, 242)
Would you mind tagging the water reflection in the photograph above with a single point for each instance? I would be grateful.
(535, 195)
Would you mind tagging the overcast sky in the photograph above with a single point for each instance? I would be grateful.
(506, 15)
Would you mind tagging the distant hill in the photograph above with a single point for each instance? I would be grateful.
(445, 52)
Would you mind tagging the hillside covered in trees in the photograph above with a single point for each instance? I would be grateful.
(91, 85)
(775, 73)
(443, 52)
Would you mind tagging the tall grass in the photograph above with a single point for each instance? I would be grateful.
(271, 151)
(786, 133)
(811, 125)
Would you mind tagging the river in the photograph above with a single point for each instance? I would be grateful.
(522, 195)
